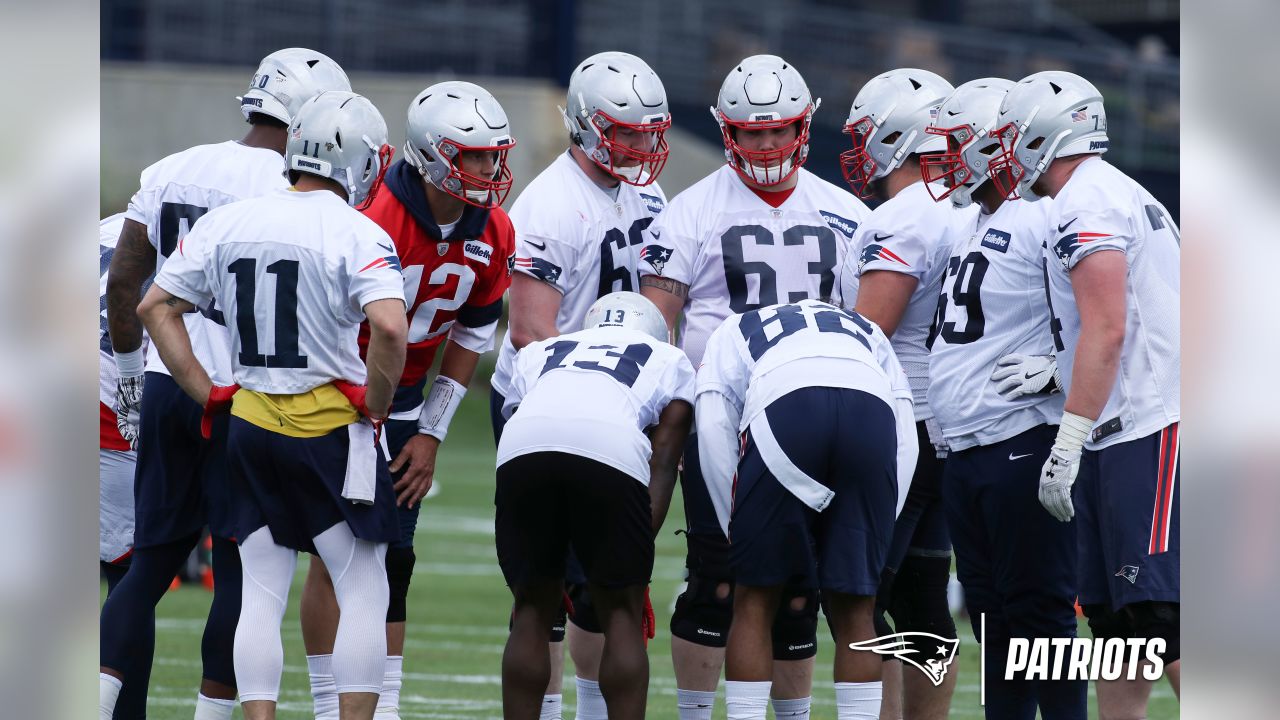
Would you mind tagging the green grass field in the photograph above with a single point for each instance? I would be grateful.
(458, 613)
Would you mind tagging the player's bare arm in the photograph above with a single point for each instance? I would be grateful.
(1098, 282)
(669, 295)
(162, 313)
(668, 438)
(133, 262)
(419, 453)
(534, 305)
(883, 296)
(388, 333)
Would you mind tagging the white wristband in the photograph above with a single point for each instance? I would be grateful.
(442, 402)
(1073, 431)
(130, 363)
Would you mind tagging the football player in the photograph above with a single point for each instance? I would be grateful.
(297, 271)
(1015, 562)
(180, 484)
(579, 228)
(893, 280)
(588, 460)
(116, 459)
(805, 423)
(456, 248)
(757, 231)
(1112, 267)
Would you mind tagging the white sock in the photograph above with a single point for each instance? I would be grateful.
(108, 691)
(551, 707)
(797, 709)
(389, 698)
(208, 708)
(858, 701)
(590, 701)
(695, 704)
(747, 700)
(324, 693)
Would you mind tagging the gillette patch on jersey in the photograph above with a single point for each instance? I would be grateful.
(844, 225)
(653, 202)
(476, 250)
(997, 240)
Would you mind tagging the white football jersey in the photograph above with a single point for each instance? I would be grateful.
(577, 237)
(755, 358)
(737, 253)
(993, 303)
(175, 193)
(913, 235)
(293, 272)
(593, 393)
(1101, 208)
(108, 235)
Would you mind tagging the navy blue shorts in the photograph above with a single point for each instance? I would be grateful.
(846, 440)
(180, 484)
(399, 433)
(294, 486)
(708, 548)
(921, 528)
(1015, 561)
(1126, 501)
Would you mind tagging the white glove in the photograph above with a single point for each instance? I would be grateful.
(1060, 470)
(1017, 375)
(129, 407)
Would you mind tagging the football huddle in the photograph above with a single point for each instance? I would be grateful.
(986, 365)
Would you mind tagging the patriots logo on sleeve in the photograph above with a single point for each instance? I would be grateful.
(656, 255)
(511, 264)
(1068, 244)
(542, 269)
(392, 261)
(875, 251)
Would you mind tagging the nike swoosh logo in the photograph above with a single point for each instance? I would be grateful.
(388, 248)
(532, 244)
(1063, 227)
(1028, 376)
(876, 237)
(1019, 457)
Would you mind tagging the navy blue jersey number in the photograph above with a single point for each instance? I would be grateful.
(622, 365)
(965, 288)
(618, 276)
(737, 268)
(286, 315)
(176, 220)
(762, 333)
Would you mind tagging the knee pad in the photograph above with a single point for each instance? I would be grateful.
(400, 561)
(584, 611)
(701, 616)
(918, 602)
(1153, 619)
(795, 627)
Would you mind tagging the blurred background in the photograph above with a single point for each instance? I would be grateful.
(171, 68)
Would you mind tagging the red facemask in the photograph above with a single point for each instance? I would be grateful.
(620, 154)
(768, 167)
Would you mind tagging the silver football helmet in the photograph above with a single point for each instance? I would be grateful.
(448, 119)
(610, 91)
(341, 136)
(1046, 116)
(286, 79)
(887, 123)
(761, 93)
(966, 121)
(629, 310)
